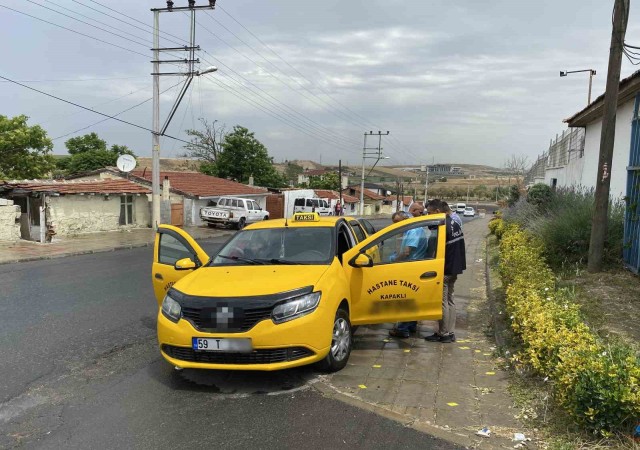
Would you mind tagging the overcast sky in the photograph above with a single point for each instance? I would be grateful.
(454, 82)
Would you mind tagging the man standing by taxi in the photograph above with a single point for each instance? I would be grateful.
(454, 264)
(414, 247)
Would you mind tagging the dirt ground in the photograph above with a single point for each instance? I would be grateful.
(610, 300)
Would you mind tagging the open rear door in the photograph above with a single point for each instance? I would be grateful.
(172, 244)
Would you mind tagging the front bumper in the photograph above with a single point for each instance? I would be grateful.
(301, 341)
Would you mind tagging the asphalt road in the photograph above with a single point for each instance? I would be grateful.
(81, 369)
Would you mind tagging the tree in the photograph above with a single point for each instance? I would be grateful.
(89, 152)
(25, 151)
(514, 194)
(243, 156)
(516, 165)
(292, 171)
(327, 181)
(87, 143)
(206, 144)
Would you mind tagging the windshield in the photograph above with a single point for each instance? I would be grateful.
(292, 245)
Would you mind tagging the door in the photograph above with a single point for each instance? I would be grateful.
(397, 274)
(177, 214)
(171, 245)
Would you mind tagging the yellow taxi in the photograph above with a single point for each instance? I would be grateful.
(286, 292)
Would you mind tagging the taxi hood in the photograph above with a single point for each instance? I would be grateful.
(240, 281)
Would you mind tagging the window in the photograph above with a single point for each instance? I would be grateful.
(299, 202)
(358, 231)
(415, 243)
(126, 210)
(235, 203)
(309, 202)
(171, 250)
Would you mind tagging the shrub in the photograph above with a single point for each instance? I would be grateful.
(563, 224)
(598, 384)
(540, 195)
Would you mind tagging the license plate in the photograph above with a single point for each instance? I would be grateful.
(219, 214)
(239, 345)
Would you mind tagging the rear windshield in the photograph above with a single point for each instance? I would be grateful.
(292, 245)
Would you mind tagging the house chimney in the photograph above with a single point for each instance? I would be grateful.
(251, 180)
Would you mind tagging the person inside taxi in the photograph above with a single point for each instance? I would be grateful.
(413, 248)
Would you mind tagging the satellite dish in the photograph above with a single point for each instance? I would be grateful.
(126, 163)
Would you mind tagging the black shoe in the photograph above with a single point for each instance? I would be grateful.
(447, 338)
(399, 334)
(435, 337)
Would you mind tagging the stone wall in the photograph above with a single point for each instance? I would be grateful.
(77, 214)
(9, 220)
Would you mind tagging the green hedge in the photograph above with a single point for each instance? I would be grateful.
(597, 383)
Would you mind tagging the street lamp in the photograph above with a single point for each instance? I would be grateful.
(591, 74)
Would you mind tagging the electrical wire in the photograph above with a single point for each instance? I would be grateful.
(92, 110)
(77, 80)
(233, 91)
(115, 115)
(87, 23)
(363, 120)
(76, 32)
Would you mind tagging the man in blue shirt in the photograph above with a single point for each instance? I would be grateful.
(413, 248)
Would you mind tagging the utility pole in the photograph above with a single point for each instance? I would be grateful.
(398, 195)
(426, 187)
(377, 155)
(190, 60)
(607, 137)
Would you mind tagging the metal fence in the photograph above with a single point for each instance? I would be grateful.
(569, 145)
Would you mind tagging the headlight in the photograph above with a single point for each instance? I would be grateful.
(296, 307)
(171, 309)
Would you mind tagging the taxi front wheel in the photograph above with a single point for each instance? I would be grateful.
(341, 343)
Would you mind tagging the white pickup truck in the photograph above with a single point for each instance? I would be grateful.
(233, 211)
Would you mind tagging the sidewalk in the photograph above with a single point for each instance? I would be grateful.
(11, 252)
(448, 390)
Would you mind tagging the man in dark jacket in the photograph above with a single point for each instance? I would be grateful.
(455, 263)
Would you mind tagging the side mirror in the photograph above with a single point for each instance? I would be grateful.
(361, 260)
(184, 264)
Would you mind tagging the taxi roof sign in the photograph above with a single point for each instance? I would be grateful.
(306, 217)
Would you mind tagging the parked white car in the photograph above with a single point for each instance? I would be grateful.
(469, 212)
(233, 211)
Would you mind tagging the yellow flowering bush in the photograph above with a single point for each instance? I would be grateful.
(597, 383)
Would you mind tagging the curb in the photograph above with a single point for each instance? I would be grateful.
(450, 436)
(498, 327)
(98, 250)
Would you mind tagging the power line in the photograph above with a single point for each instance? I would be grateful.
(362, 119)
(86, 23)
(131, 25)
(271, 113)
(275, 102)
(115, 115)
(76, 80)
(76, 32)
(89, 109)
(128, 17)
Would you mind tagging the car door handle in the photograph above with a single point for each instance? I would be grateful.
(159, 276)
(428, 275)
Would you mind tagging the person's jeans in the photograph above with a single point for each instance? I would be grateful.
(447, 325)
(406, 327)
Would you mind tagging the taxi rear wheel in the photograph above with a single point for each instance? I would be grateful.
(341, 343)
